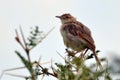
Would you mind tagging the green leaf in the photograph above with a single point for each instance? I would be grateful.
(25, 62)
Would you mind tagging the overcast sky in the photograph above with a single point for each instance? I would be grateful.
(101, 16)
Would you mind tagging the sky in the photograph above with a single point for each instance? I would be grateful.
(101, 16)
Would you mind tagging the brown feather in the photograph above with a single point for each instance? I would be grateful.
(80, 32)
(76, 35)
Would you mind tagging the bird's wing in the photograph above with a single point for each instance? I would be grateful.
(81, 33)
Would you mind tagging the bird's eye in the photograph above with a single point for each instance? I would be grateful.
(66, 17)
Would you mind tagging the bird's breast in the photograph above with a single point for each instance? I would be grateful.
(71, 41)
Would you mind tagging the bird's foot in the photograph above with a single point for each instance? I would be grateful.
(70, 53)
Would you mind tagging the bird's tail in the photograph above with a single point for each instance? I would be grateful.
(97, 60)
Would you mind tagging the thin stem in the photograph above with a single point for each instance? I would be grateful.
(18, 39)
(15, 75)
(43, 38)
(26, 48)
(24, 45)
(46, 72)
(23, 37)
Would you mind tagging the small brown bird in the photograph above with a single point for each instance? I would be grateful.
(76, 35)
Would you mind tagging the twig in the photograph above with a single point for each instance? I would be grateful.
(9, 70)
(26, 48)
(15, 75)
(45, 71)
(18, 39)
(23, 38)
(61, 55)
(43, 38)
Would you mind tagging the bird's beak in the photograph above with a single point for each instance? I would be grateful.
(58, 16)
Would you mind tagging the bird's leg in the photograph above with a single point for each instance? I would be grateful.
(83, 54)
(97, 60)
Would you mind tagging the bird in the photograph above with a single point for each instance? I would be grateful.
(76, 35)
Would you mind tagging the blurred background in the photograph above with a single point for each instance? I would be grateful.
(101, 16)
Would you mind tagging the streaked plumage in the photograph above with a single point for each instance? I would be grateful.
(76, 35)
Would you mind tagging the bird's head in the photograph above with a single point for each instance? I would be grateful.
(66, 18)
